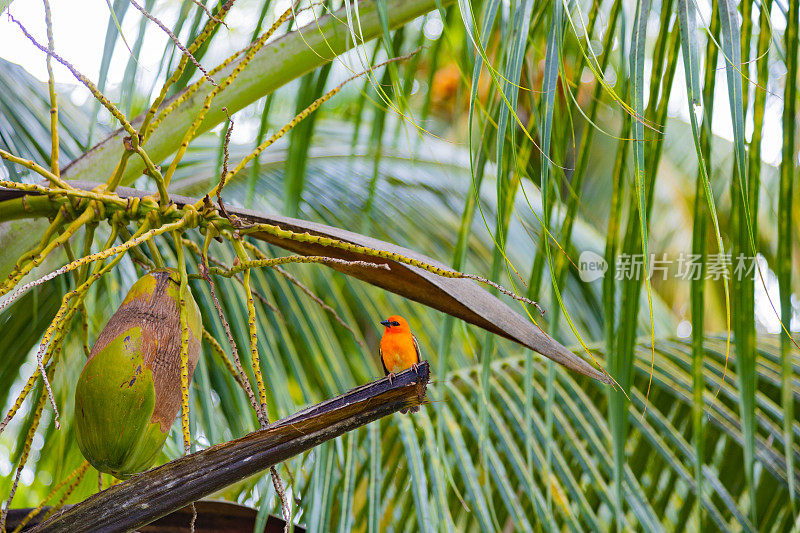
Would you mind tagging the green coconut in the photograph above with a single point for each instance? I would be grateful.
(129, 391)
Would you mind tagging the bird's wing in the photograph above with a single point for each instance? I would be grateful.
(416, 347)
(380, 354)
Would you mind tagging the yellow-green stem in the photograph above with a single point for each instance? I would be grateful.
(34, 512)
(216, 348)
(135, 251)
(184, 354)
(31, 165)
(51, 85)
(251, 323)
(221, 87)
(291, 124)
(13, 279)
(145, 130)
(211, 232)
(119, 171)
(157, 259)
(23, 458)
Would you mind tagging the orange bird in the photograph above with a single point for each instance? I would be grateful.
(398, 348)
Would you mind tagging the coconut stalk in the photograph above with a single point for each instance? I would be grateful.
(155, 493)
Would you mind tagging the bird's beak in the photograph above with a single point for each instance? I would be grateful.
(386, 323)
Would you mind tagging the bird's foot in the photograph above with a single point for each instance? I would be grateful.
(391, 377)
(415, 366)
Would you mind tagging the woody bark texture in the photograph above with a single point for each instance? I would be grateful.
(157, 492)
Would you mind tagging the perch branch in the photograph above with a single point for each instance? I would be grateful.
(155, 493)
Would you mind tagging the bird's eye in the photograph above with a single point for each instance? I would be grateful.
(395, 323)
